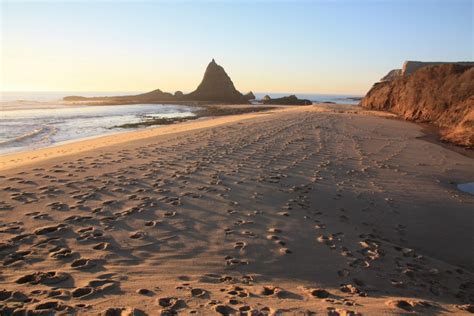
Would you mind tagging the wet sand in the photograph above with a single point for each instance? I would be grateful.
(326, 209)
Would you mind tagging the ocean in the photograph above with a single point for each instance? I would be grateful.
(33, 120)
(316, 97)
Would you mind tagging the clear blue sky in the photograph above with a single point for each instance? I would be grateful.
(275, 46)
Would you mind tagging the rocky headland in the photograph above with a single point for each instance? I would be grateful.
(288, 100)
(437, 93)
(215, 87)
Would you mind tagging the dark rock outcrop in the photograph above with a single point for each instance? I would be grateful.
(216, 86)
(289, 100)
(153, 95)
(75, 98)
(148, 97)
(249, 96)
(441, 94)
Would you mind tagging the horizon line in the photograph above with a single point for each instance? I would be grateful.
(144, 91)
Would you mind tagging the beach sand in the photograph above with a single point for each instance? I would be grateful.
(326, 209)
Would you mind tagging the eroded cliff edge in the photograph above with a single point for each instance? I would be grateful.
(440, 94)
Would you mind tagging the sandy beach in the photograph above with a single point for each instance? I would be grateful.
(328, 209)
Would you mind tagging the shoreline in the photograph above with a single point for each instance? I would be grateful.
(302, 208)
(200, 113)
(18, 159)
(27, 157)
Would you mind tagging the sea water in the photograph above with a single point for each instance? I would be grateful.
(32, 120)
(41, 122)
(317, 97)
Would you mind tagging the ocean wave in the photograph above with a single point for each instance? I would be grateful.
(48, 131)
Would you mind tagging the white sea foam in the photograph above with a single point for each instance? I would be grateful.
(33, 125)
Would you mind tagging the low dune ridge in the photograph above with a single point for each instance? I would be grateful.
(326, 209)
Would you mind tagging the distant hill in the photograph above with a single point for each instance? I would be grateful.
(139, 98)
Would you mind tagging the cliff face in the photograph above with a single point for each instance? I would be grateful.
(442, 95)
(217, 86)
(392, 75)
(410, 67)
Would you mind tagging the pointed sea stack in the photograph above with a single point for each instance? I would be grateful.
(216, 86)
(249, 96)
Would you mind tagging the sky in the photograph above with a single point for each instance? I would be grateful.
(331, 46)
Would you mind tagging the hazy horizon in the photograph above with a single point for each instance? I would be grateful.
(302, 47)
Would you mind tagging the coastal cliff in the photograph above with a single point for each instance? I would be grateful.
(439, 94)
(411, 66)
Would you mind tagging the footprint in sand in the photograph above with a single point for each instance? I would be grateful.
(50, 229)
(138, 235)
(237, 291)
(224, 309)
(240, 245)
(122, 311)
(46, 278)
(285, 251)
(83, 264)
(171, 303)
(82, 292)
(316, 292)
(231, 261)
(351, 289)
(152, 223)
(169, 214)
(60, 253)
(274, 230)
(200, 293)
(214, 278)
(95, 287)
(51, 307)
(101, 246)
(146, 292)
(59, 294)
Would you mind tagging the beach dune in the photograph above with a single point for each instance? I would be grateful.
(328, 209)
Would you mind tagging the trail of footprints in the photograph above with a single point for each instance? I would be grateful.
(144, 192)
